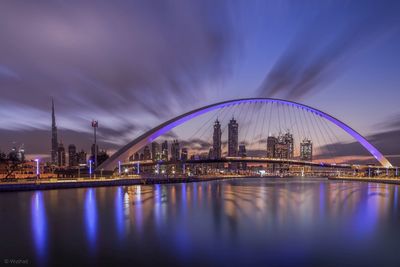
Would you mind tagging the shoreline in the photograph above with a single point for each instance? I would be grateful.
(367, 180)
(102, 182)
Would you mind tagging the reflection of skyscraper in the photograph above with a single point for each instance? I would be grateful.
(175, 151)
(61, 155)
(54, 140)
(216, 154)
(164, 150)
(146, 153)
(233, 138)
(306, 148)
(72, 156)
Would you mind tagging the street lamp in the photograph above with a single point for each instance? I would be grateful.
(90, 168)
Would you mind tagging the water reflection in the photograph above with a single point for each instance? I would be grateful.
(239, 222)
(39, 225)
(91, 218)
(119, 212)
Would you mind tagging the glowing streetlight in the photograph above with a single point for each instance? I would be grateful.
(90, 167)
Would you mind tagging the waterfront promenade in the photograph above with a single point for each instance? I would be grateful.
(21, 185)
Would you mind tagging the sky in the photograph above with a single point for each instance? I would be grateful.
(135, 64)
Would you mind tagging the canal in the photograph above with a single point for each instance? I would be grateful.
(236, 222)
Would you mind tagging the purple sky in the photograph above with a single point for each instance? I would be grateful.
(135, 64)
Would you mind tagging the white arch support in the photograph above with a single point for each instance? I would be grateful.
(148, 137)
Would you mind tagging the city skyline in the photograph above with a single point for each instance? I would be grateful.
(81, 94)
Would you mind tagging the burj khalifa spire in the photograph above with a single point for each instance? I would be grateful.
(54, 141)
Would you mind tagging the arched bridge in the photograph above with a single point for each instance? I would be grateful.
(134, 146)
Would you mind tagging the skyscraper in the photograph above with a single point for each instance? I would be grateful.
(175, 151)
(164, 150)
(290, 144)
(306, 148)
(233, 138)
(82, 157)
(184, 154)
(146, 153)
(155, 151)
(54, 140)
(216, 154)
(242, 153)
(72, 156)
(61, 155)
(242, 150)
(271, 143)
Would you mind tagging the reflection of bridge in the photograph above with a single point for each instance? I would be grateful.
(134, 146)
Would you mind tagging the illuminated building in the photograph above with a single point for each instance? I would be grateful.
(155, 151)
(306, 148)
(146, 153)
(233, 138)
(61, 155)
(184, 154)
(54, 140)
(216, 153)
(175, 151)
(164, 150)
(72, 156)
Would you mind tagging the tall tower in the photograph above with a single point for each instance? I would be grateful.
(216, 154)
(54, 141)
(233, 138)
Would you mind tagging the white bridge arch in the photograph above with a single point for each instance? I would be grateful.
(148, 137)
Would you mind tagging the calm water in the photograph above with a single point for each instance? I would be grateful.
(242, 222)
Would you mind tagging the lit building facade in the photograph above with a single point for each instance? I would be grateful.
(233, 138)
(306, 150)
(217, 150)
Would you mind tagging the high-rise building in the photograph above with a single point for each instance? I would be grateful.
(72, 156)
(54, 140)
(290, 144)
(175, 151)
(216, 154)
(164, 150)
(284, 148)
(82, 157)
(61, 155)
(233, 138)
(306, 150)
(184, 154)
(271, 143)
(242, 150)
(146, 153)
(136, 156)
(242, 153)
(155, 151)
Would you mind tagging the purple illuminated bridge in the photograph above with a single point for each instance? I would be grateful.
(148, 137)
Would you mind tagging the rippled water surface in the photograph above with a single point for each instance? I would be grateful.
(239, 222)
